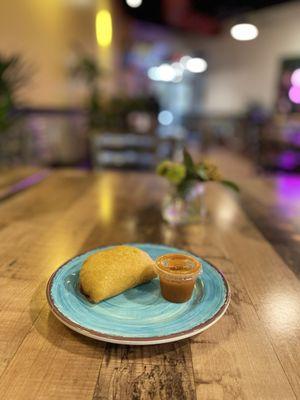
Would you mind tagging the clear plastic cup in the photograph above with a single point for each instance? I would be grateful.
(177, 274)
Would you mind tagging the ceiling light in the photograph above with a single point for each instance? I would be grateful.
(165, 117)
(178, 69)
(183, 61)
(153, 74)
(177, 66)
(134, 3)
(196, 65)
(244, 32)
(164, 72)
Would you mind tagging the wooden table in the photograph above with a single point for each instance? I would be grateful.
(253, 352)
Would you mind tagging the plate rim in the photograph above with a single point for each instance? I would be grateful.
(137, 340)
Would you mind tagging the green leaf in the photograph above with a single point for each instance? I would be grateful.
(188, 162)
(184, 186)
(201, 172)
(231, 185)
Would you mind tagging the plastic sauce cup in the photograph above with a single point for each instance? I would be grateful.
(177, 274)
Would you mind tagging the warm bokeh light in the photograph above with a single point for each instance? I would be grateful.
(196, 65)
(225, 212)
(294, 94)
(244, 32)
(104, 28)
(106, 199)
(134, 3)
(295, 78)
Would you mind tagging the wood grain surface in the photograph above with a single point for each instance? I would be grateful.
(9, 175)
(14, 180)
(253, 352)
(277, 217)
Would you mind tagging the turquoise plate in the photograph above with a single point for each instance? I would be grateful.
(139, 315)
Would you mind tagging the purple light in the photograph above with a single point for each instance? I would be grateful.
(24, 184)
(288, 197)
(294, 94)
(287, 160)
(295, 78)
(289, 185)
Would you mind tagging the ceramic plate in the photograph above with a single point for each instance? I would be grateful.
(139, 315)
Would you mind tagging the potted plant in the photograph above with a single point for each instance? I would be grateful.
(12, 78)
(185, 203)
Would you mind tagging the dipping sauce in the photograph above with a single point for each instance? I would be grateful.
(177, 274)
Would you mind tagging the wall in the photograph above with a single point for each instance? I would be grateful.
(243, 72)
(43, 32)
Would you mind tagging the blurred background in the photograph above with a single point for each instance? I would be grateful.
(125, 83)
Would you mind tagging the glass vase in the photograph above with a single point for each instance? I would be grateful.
(187, 208)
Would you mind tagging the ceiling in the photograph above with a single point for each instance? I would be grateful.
(199, 16)
(231, 8)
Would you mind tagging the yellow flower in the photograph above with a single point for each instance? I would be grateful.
(212, 171)
(174, 172)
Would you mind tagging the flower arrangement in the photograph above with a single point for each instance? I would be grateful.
(184, 175)
(185, 204)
